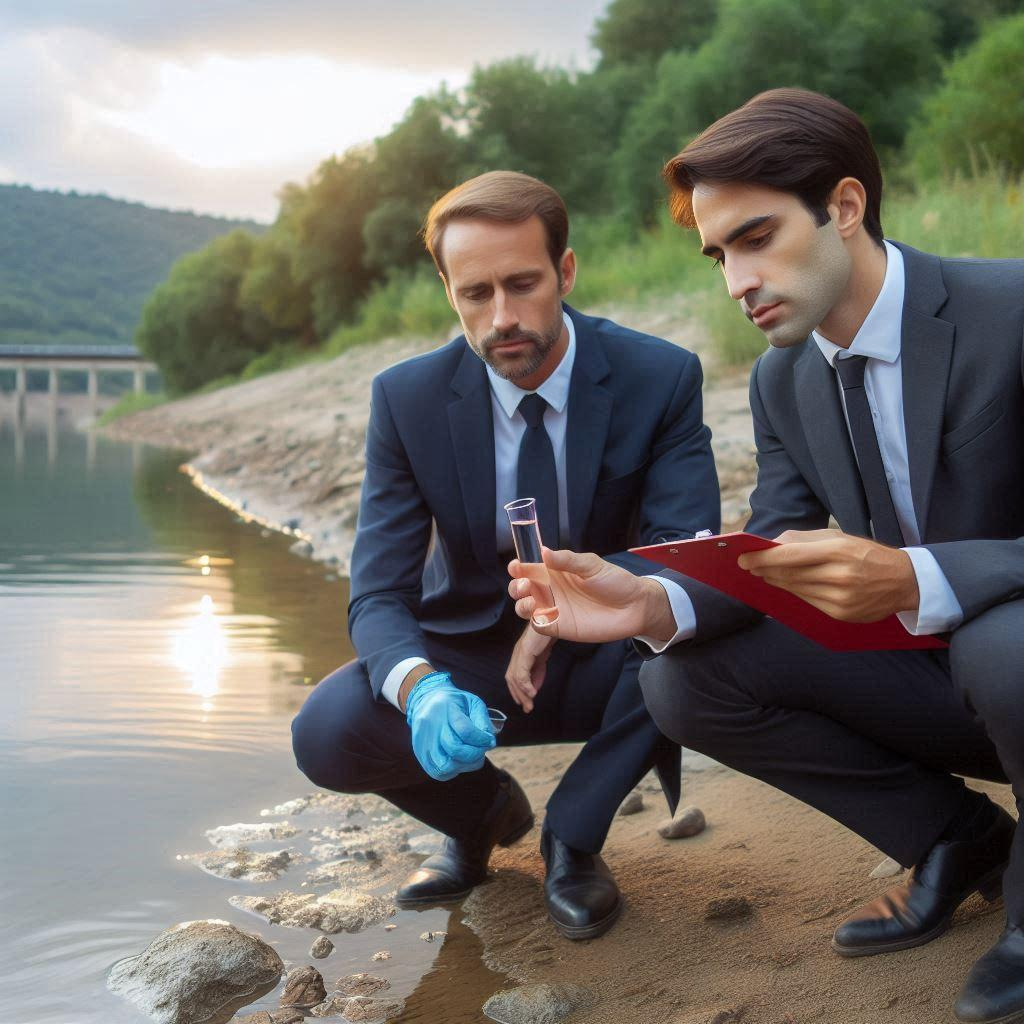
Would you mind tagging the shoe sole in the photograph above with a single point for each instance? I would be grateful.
(423, 902)
(989, 886)
(590, 931)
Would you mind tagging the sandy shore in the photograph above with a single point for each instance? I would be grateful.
(731, 925)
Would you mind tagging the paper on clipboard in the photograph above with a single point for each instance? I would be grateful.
(712, 560)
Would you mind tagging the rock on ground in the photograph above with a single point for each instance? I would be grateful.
(340, 910)
(239, 834)
(633, 804)
(360, 1009)
(538, 1004)
(286, 1016)
(362, 985)
(243, 863)
(688, 822)
(887, 869)
(323, 947)
(331, 1006)
(304, 987)
(198, 972)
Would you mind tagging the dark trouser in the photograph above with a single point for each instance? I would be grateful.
(347, 741)
(869, 738)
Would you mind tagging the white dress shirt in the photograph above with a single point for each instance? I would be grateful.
(509, 427)
(880, 339)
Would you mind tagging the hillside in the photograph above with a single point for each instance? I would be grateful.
(76, 269)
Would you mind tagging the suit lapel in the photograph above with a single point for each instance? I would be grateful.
(471, 423)
(926, 354)
(824, 426)
(590, 413)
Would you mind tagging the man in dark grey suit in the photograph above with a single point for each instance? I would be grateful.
(891, 399)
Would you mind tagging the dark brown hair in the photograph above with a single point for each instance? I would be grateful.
(504, 196)
(790, 139)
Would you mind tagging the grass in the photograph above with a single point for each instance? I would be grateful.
(982, 216)
(131, 402)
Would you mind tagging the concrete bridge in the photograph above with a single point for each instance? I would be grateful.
(89, 359)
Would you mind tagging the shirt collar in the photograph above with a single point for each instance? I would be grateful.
(554, 391)
(880, 335)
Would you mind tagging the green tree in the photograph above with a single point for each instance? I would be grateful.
(976, 118)
(633, 31)
(270, 299)
(191, 325)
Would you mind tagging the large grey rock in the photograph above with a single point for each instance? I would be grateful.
(538, 1004)
(198, 972)
(341, 910)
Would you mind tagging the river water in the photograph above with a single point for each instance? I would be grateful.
(154, 650)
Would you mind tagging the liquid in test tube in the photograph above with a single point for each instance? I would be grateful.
(522, 516)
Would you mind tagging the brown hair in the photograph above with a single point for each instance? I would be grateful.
(504, 196)
(790, 139)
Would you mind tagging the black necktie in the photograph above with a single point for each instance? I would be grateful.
(865, 441)
(535, 471)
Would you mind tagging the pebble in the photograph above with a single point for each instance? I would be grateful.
(323, 947)
(728, 908)
(688, 822)
(362, 985)
(430, 936)
(887, 869)
(538, 1004)
(304, 986)
(633, 804)
(381, 954)
(390, 927)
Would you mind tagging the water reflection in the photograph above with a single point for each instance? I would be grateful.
(201, 650)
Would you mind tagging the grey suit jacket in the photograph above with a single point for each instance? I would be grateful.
(963, 395)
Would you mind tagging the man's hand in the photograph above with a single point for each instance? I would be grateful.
(450, 728)
(528, 666)
(849, 578)
(596, 601)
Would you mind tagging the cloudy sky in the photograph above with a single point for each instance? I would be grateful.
(211, 105)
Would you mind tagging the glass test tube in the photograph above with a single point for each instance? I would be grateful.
(522, 515)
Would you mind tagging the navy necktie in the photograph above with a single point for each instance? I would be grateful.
(869, 457)
(535, 471)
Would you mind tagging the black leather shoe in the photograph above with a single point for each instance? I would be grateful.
(920, 910)
(462, 864)
(994, 990)
(582, 897)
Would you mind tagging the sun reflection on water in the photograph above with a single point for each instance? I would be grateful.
(201, 651)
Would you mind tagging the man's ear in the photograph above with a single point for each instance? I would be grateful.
(567, 272)
(846, 205)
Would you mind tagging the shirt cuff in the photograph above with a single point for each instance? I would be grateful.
(682, 611)
(393, 682)
(938, 610)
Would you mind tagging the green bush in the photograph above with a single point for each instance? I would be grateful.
(131, 402)
(975, 120)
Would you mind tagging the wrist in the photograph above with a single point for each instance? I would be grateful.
(658, 621)
(419, 674)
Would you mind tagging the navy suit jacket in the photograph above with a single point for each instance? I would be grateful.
(639, 470)
(963, 407)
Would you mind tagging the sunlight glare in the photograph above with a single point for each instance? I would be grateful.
(222, 112)
(201, 651)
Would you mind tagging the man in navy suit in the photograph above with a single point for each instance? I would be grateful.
(891, 398)
(603, 426)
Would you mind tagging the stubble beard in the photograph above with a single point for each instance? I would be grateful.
(821, 282)
(526, 363)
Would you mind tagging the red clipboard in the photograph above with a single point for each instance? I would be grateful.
(712, 560)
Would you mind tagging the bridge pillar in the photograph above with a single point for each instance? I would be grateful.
(20, 381)
(140, 380)
(54, 384)
(94, 387)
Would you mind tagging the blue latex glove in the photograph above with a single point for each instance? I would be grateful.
(450, 728)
